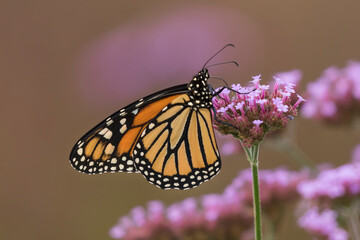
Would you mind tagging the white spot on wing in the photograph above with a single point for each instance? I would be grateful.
(123, 129)
(80, 151)
(108, 134)
(109, 149)
(102, 132)
(135, 111)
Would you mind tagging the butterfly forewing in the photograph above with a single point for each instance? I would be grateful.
(177, 149)
(109, 146)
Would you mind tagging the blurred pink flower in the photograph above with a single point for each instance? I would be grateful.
(227, 215)
(159, 51)
(322, 224)
(228, 145)
(333, 183)
(293, 76)
(335, 96)
(278, 187)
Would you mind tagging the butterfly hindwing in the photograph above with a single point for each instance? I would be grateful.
(177, 149)
(108, 147)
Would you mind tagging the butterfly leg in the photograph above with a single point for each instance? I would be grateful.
(218, 120)
(216, 93)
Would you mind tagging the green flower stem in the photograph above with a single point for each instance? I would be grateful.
(286, 145)
(351, 216)
(256, 198)
(270, 234)
(252, 155)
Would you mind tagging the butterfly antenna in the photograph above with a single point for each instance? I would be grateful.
(223, 63)
(220, 79)
(227, 45)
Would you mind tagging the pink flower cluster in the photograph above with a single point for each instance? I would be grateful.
(336, 188)
(335, 96)
(333, 183)
(252, 112)
(228, 215)
(228, 144)
(276, 186)
(322, 225)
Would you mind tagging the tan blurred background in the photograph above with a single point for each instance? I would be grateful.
(44, 109)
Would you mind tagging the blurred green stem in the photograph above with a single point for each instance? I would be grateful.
(284, 144)
(354, 228)
(351, 216)
(252, 154)
(270, 234)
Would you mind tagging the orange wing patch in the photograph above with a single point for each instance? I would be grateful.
(170, 167)
(193, 138)
(156, 147)
(128, 140)
(127, 143)
(184, 167)
(91, 146)
(208, 138)
(151, 110)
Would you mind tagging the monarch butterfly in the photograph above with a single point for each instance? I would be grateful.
(167, 136)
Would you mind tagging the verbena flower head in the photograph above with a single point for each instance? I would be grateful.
(335, 96)
(330, 184)
(255, 111)
(322, 225)
(228, 215)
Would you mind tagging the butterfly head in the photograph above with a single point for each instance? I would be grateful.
(201, 76)
(199, 90)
